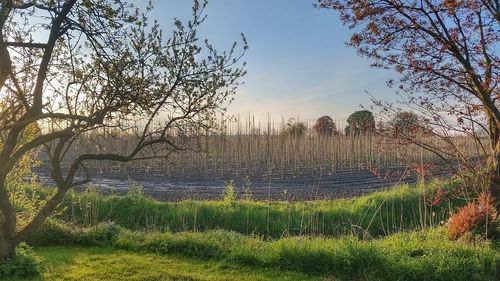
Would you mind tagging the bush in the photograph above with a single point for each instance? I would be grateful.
(213, 244)
(23, 263)
(229, 195)
(53, 232)
(475, 219)
(99, 235)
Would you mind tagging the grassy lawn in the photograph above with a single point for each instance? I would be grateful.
(81, 263)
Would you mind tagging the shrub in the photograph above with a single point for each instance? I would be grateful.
(53, 232)
(474, 219)
(100, 235)
(229, 195)
(23, 263)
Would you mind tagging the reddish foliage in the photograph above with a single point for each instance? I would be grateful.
(325, 126)
(437, 198)
(446, 54)
(473, 218)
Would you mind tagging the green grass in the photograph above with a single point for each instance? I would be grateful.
(404, 256)
(420, 255)
(387, 235)
(400, 208)
(80, 263)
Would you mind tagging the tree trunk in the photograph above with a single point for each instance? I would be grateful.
(6, 248)
(494, 162)
(8, 222)
(494, 171)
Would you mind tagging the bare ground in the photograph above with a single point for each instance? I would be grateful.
(307, 184)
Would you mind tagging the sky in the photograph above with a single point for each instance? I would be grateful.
(298, 63)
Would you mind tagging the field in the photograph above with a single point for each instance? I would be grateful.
(257, 205)
(264, 160)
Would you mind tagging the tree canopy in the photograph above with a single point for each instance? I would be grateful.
(295, 128)
(446, 54)
(405, 123)
(324, 126)
(72, 68)
(360, 122)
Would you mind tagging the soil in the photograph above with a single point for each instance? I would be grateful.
(308, 184)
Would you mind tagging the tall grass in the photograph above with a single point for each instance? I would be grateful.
(401, 208)
(424, 255)
(387, 235)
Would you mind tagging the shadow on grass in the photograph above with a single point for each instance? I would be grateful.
(81, 263)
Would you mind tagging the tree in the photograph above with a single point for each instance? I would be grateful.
(405, 123)
(102, 65)
(360, 122)
(447, 55)
(295, 129)
(325, 126)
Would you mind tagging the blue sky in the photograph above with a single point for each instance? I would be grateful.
(298, 64)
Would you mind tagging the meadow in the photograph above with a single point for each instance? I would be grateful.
(424, 255)
(372, 237)
(400, 208)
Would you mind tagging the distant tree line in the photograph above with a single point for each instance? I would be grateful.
(360, 122)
